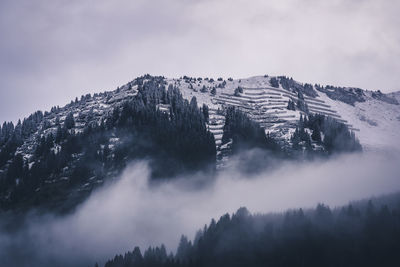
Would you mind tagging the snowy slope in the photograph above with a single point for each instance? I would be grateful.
(88, 109)
(376, 123)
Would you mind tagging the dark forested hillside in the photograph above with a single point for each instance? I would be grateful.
(359, 234)
(57, 158)
(175, 141)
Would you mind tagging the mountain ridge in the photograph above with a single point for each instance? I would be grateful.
(279, 105)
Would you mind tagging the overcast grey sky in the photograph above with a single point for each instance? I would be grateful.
(54, 50)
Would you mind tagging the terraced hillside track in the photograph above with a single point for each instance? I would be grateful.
(267, 106)
(216, 127)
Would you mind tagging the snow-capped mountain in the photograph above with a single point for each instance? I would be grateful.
(277, 104)
(374, 116)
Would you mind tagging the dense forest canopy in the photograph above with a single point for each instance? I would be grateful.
(359, 234)
(333, 136)
(175, 141)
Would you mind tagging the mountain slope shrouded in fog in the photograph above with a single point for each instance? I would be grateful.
(55, 159)
(134, 211)
(136, 135)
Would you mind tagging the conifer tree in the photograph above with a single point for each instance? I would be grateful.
(213, 91)
(69, 121)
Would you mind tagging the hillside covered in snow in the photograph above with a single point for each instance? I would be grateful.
(372, 115)
(57, 158)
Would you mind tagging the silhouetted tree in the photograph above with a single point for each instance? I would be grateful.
(69, 121)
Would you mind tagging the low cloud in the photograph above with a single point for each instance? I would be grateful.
(132, 212)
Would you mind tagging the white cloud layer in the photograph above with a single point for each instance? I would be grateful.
(52, 51)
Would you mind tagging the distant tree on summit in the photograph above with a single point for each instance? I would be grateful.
(274, 82)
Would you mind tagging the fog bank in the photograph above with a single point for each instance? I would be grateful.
(130, 212)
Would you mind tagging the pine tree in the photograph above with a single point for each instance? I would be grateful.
(291, 105)
(274, 82)
(316, 135)
(213, 91)
(193, 103)
(184, 249)
(205, 112)
(69, 121)
(238, 91)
